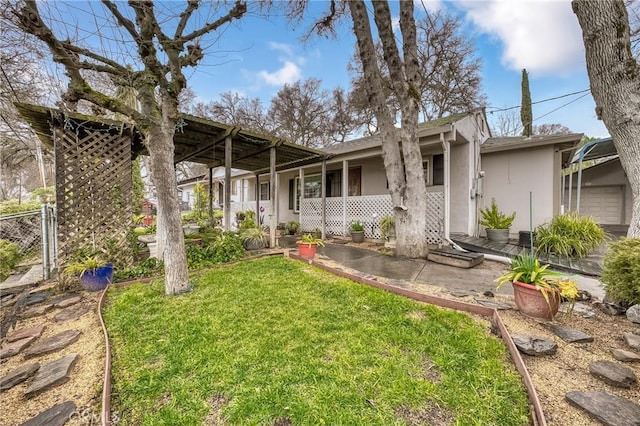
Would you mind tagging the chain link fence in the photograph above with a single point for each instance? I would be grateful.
(34, 234)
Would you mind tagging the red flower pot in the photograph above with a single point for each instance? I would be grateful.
(532, 303)
(307, 250)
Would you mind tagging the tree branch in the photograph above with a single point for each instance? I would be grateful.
(192, 5)
(124, 22)
(236, 13)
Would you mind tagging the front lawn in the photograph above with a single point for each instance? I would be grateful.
(276, 342)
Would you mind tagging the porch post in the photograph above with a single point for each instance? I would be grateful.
(301, 178)
(447, 186)
(257, 193)
(579, 185)
(272, 196)
(345, 194)
(227, 183)
(211, 196)
(562, 193)
(323, 185)
(570, 185)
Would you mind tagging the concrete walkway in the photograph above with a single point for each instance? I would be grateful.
(480, 278)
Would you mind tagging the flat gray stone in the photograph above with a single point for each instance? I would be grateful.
(534, 345)
(625, 356)
(53, 343)
(633, 314)
(36, 311)
(463, 293)
(611, 410)
(72, 312)
(570, 335)
(66, 301)
(633, 340)
(491, 304)
(57, 415)
(36, 298)
(25, 332)
(613, 373)
(611, 308)
(51, 374)
(14, 348)
(18, 376)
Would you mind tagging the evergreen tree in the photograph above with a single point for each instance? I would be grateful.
(525, 110)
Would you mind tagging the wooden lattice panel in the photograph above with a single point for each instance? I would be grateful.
(369, 210)
(93, 187)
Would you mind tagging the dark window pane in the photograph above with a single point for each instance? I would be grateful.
(438, 169)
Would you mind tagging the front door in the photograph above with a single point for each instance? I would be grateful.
(355, 174)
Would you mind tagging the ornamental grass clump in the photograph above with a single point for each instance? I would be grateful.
(569, 235)
(621, 273)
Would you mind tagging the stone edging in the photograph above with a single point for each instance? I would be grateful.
(537, 413)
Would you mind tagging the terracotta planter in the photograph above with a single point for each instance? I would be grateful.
(307, 250)
(357, 236)
(498, 235)
(531, 302)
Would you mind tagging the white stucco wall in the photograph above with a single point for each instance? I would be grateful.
(461, 177)
(511, 175)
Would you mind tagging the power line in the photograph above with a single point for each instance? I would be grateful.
(544, 100)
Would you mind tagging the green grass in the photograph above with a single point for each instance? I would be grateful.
(279, 339)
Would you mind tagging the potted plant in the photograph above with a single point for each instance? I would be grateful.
(292, 227)
(308, 245)
(388, 229)
(253, 238)
(357, 231)
(497, 223)
(536, 290)
(94, 273)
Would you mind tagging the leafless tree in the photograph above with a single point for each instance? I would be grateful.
(238, 110)
(550, 129)
(614, 75)
(450, 71)
(300, 112)
(161, 41)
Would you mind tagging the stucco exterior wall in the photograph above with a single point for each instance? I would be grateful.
(509, 178)
(461, 176)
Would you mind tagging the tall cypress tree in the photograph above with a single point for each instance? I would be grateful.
(526, 115)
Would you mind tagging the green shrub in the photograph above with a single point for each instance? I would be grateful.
(13, 207)
(147, 268)
(227, 247)
(621, 274)
(569, 235)
(493, 218)
(9, 258)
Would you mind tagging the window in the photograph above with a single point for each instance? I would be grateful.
(438, 169)
(234, 188)
(264, 191)
(313, 188)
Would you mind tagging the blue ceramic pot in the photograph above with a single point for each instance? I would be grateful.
(97, 279)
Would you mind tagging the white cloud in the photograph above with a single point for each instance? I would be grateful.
(542, 36)
(289, 73)
(282, 47)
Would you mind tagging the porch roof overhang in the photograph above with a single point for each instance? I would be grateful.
(566, 144)
(197, 139)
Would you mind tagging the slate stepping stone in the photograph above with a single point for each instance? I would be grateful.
(57, 415)
(25, 332)
(533, 345)
(37, 298)
(53, 343)
(73, 312)
(611, 410)
(613, 373)
(633, 314)
(66, 301)
(36, 311)
(625, 356)
(51, 374)
(632, 340)
(491, 304)
(14, 348)
(463, 293)
(570, 335)
(18, 376)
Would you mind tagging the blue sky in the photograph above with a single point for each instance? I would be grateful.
(261, 55)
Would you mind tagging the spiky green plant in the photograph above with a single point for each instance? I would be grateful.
(621, 273)
(493, 218)
(569, 235)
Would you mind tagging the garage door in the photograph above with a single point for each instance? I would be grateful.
(604, 203)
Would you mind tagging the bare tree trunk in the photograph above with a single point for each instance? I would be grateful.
(615, 84)
(171, 249)
(402, 161)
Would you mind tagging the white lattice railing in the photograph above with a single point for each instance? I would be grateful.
(369, 210)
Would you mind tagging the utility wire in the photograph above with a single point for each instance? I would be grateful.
(543, 100)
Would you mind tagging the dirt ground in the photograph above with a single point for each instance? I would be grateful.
(553, 376)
